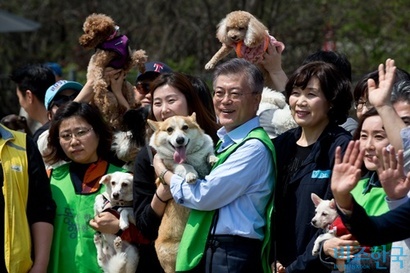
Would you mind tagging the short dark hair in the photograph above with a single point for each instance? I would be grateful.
(34, 77)
(338, 59)
(89, 113)
(361, 88)
(334, 85)
(239, 65)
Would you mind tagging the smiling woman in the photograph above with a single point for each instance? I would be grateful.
(319, 98)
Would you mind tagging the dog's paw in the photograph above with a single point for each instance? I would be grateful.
(315, 250)
(212, 159)
(124, 225)
(97, 239)
(191, 177)
(209, 66)
(118, 244)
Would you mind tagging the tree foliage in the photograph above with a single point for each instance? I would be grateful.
(182, 33)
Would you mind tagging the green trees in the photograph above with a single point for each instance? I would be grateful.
(182, 33)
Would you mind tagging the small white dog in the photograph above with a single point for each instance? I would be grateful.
(113, 254)
(325, 215)
(187, 151)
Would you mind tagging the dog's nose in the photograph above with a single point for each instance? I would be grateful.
(313, 222)
(180, 140)
(116, 195)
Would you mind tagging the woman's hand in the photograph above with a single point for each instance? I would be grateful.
(272, 62)
(158, 165)
(279, 267)
(391, 174)
(379, 96)
(346, 173)
(116, 78)
(105, 222)
(341, 248)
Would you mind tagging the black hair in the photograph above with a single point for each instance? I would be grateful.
(34, 77)
(334, 85)
(89, 113)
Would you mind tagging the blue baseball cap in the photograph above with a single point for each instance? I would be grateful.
(59, 86)
(153, 68)
(56, 68)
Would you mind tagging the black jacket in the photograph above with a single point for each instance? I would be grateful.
(294, 207)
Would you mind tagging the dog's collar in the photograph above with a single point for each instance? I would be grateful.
(121, 203)
(115, 203)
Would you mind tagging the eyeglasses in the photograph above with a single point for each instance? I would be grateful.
(78, 134)
(359, 105)
(143, 87)
(234, 96)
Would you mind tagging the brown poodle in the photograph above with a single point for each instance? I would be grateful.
(111, 50)
(244, 33)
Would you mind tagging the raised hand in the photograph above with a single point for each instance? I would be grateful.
(346, 173)
(391, 175)
(379, 95)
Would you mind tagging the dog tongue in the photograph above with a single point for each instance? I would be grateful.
(179, 155)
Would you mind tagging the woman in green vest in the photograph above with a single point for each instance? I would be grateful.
(79, 135)
(369, 194)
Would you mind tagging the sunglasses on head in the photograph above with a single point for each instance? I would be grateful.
(143, 87)
(60, 100)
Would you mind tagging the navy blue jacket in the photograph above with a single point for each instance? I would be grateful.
(377, 230)
(294, 207)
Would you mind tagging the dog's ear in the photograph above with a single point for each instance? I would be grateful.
(153, 124)
(105, 179)
(221, 31)
(193, 116)
(332, 204)
(255, 33)
(316, 199)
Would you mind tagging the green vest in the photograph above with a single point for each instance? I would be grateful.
(197, 229)
(373, 202)
(73, 248)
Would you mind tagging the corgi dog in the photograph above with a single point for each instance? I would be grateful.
(187, 151)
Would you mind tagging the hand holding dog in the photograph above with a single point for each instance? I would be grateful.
(341, 248)
(272, 62)
(105, 222)
(346, 174)
(390, 170)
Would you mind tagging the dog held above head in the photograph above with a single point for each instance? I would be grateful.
(111, 50)
(243, 33)
(187, 151)
(113, 253)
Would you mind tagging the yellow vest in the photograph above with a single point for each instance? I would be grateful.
(17, 239)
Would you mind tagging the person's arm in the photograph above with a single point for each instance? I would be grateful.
(147, 218)
(86, 94)
(226, 187)
(42, 233)
(378, 230)
(380, 98)
(40, 208)
(272, 62)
